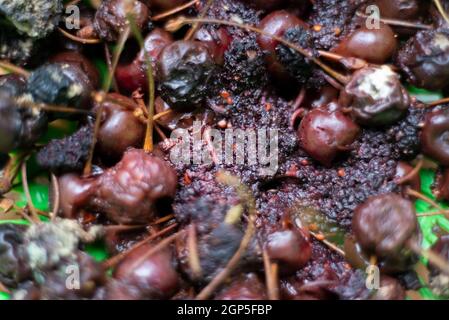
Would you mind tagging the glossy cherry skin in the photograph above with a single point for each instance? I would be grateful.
(133, 76)
(375, 96)
(218, 41)
(291, 248)
(120, 128)
(111, 17)
(425, 59)
(154, 277)
(399, 9)
(435, 136)
(372, 45)
(383, 225)
(276, 23)
(323, 134)
(402, 170)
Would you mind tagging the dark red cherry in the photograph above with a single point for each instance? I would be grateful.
(439, 281)
(164, 5)
(372, 45)
(399, 9)
(290, 248)
(425, 59)
(435, 136)
(244, 287)
(218, 41)
(133, 76)
(323, 134)
(277, 23)
(111, 17)
(375, 96)
(265, 4)
(185, 69)
(128, 192)
(402, 170)
(120, 128)
(154, 277)
(383, 226)
(76, 58)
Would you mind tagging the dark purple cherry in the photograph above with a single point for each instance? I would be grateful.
(372, 45)
(153, 277)
(185, 69)
(323, 134)
(383, 226)
(435, 136)
(277, 23)
(111, 17)
(218, 41)
(133, 76)
(290, 248)
(375, 96)
(425, 59)
(120, 128)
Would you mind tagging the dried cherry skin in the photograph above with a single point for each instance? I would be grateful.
(111, 17)
(120, 129)
(375, 96)
(372, 45)
(435, 136)
(276, 24)
(384, 224)
(424, 59)
(133, 76)
(154, 277)
(185, 69)
(323, 134)
(128, 192)
(290, 248)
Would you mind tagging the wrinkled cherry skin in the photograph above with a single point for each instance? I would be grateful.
(402, 170)
(218, 41)
(184, 72)
(245, 287)
(435, 136)
(111, 17)
(390, 289)
(372, 45)
(152, 278)
(425, 59)
(76, 58)
(120, 128)
(276, 23)
(291, 248)
(127, 193)
(383, 225)
(373, 108)
(133, 76)
(323, 134)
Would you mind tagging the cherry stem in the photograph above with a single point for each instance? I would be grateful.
(107, 54)
(148, 144)
(26, 190)
(162, 114)
(352, 63)
(399, 23)
(271, 276)
(14, 69)
(434, 258)
(119, 257)
(4, 289)
(412, 173)
(441, 10)
(422, 197)
(78, 39)
(196, 25)
(438, 102)
(175, 24)
(56, 197)
(163, 219)
(173, 11)
(9, 173)
(50, 107)
(435, 213)
(194, 257)
(328, 243)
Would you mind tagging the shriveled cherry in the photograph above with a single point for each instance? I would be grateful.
(375, 96)
(111, 17)
(435, 136)
(184, 72)
(372, 45)
(323, 134)
(133, 76)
